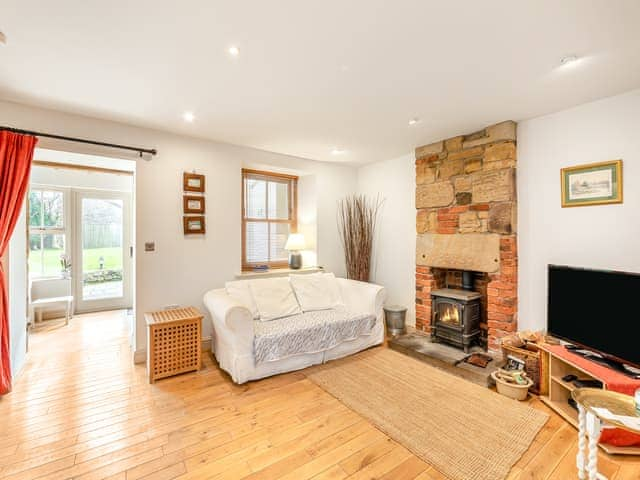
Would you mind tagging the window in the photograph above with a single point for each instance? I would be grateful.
(47, 234)
(269, 206)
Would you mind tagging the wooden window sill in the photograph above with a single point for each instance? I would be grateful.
(276, 272)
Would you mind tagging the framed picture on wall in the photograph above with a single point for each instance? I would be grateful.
(592, 184)
(192, 182)
(192, 204)
(193, 225)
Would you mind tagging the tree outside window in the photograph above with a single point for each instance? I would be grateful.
(47, 234)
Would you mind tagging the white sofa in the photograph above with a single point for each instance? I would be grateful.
(235, 323)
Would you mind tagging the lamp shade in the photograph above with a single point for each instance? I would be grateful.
(295, 242)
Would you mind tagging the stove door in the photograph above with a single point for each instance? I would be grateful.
(448, 313)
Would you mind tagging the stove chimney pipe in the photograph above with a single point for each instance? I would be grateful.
(467, 280)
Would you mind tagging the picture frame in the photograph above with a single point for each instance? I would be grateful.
(592, 184)
(193, 204)
(194, 225)
(193, 182)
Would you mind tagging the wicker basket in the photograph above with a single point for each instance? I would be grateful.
(512, 390)
(534, 363)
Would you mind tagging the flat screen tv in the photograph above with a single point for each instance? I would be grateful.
(597, 310)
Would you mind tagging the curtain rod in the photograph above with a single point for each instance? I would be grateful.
(150, 151)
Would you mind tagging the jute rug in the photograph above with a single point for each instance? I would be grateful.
(465, 431)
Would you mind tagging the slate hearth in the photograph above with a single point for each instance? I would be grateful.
(442, 356)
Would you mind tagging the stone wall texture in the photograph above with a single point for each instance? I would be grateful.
(467, 184)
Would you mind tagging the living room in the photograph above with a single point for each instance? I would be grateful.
(457, 123)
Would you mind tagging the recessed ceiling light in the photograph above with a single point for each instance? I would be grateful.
(3, 38)
(569, 60)
(414, 120)
(233, 51)
(188, 117)
(337, 151)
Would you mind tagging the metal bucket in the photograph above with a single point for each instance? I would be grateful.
(394, 317)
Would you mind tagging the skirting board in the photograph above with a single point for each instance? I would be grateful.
(140, 356)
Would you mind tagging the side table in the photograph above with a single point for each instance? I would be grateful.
(595, 408)
(173, 342)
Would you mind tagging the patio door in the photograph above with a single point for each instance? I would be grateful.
(102, 260)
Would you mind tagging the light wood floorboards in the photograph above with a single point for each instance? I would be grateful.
(82, 410)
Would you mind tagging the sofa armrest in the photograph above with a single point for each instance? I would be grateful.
(232, 321)
(362, 296)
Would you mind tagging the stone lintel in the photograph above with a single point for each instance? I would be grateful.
(478, 252)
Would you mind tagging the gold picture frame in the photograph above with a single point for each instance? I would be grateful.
(592, 184)
(194, 225)
(193, 182)
(192, 204)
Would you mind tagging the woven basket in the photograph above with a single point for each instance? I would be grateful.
(534, 364)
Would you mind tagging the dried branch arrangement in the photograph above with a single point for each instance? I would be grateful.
(357, 216)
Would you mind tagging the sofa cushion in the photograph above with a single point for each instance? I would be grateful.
(240, 292)
(316, 291)
(309, 332)
(274, 298)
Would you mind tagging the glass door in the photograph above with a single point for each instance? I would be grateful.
(103, 251)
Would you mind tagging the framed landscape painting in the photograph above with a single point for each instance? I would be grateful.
(192, 204)
(192, 182)
(193, 225)
(593, 184)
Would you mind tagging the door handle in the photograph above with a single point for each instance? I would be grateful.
(131, 251)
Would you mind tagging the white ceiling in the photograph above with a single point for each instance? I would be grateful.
(317, 75)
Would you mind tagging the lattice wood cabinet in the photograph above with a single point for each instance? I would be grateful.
(173, 342)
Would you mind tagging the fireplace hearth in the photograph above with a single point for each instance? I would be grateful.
(455, 317)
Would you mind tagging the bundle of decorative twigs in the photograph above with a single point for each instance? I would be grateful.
(357, 217)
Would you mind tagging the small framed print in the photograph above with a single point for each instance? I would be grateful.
(592, 184)
(192, 204)
(193, 225)
(192, 182)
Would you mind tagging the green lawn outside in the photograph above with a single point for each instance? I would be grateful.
(90, 257)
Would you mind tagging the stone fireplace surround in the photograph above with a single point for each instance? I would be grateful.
(466, 220)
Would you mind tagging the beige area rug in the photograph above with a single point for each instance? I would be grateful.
(465, 431)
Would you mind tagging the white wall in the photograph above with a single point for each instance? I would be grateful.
(395, 243)
(71, 178)
(605, 237)
(17, 276)
(183, 268)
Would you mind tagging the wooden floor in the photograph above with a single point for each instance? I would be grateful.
(82, 410)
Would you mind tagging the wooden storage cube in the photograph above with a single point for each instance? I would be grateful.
(173, 342)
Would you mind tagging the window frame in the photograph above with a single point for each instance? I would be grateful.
(42, 230)
(292, 221)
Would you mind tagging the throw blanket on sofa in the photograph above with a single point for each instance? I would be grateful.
(308, 332)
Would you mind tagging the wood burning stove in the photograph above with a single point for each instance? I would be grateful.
(455, 317)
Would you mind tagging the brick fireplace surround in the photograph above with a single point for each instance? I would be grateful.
(466, 220)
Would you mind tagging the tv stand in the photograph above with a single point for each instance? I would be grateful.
(559, 391)
(607, 362)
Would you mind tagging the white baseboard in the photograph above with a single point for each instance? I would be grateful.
(140, 356)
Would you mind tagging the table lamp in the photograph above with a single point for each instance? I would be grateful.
(294, 244)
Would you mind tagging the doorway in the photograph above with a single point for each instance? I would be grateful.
(81, 233)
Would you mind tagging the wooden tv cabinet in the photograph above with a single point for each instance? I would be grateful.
(559, 392)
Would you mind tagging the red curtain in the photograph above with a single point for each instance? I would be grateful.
(16, 154)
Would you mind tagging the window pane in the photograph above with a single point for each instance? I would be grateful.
(52, 209)
(279, 200)
(256, 198)
(257, 242)
(35, 208)
(102, 248)
(35, 254)
(44, 254)
(279, 233)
